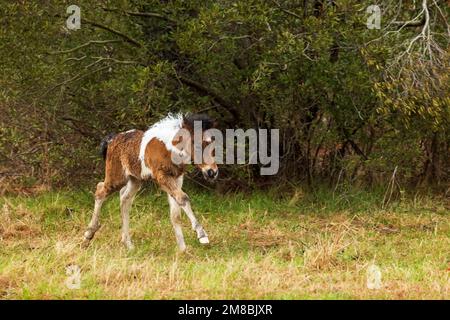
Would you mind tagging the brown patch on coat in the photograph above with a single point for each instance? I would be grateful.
(122, 161)
(159, 159)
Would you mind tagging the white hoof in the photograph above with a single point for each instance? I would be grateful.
(204, 240)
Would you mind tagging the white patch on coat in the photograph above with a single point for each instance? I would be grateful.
(146, 172)
(165, 131)
(132, 130)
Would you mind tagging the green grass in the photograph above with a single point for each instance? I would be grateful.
(297, 245)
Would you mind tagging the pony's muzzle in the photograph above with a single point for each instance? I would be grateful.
(210, 174)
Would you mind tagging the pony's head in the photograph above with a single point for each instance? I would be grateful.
(198, 144)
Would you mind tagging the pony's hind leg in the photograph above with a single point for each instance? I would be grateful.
(127, 194)
(100, 196)
(175, 218)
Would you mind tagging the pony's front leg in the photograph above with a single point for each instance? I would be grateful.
(173, 188)
(201, 233)
(196, 226)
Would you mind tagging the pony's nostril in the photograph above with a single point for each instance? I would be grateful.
(210, 173)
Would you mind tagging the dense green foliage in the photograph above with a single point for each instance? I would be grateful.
(351, 103)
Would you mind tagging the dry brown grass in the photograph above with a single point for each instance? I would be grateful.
(18, 224)
(255, 253)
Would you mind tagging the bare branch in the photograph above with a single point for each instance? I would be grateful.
(85, 45)
(142, 14)
(421, 58)
(228, 37)
(116, 32)
(75, 58)
(101, 59)
(411, 23)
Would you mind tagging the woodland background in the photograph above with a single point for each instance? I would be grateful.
(353, 105)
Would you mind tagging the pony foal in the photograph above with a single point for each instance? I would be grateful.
(134, 156)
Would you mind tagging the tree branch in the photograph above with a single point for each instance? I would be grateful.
(357, 149)
(142, 14)
(76, 77)
(79, 126)
(207, 91)
(412, 23)
(116, 32)
(85, 45)
(100, 59)
(287, 11)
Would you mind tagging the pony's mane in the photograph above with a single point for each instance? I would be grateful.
(163, 130)
(206, 121)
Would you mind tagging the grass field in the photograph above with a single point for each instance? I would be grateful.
(315, 245)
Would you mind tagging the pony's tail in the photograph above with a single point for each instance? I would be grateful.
(104, 144)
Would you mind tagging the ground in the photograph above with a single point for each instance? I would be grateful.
(297, 245)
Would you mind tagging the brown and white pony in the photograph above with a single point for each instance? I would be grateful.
(135, 156)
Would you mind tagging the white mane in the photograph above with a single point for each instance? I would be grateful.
(164, 130)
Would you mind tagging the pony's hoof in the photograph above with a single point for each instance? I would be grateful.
(90, 232)
(204, 240)
(88, 235)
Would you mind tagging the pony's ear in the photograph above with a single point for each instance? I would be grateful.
(215, 124)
